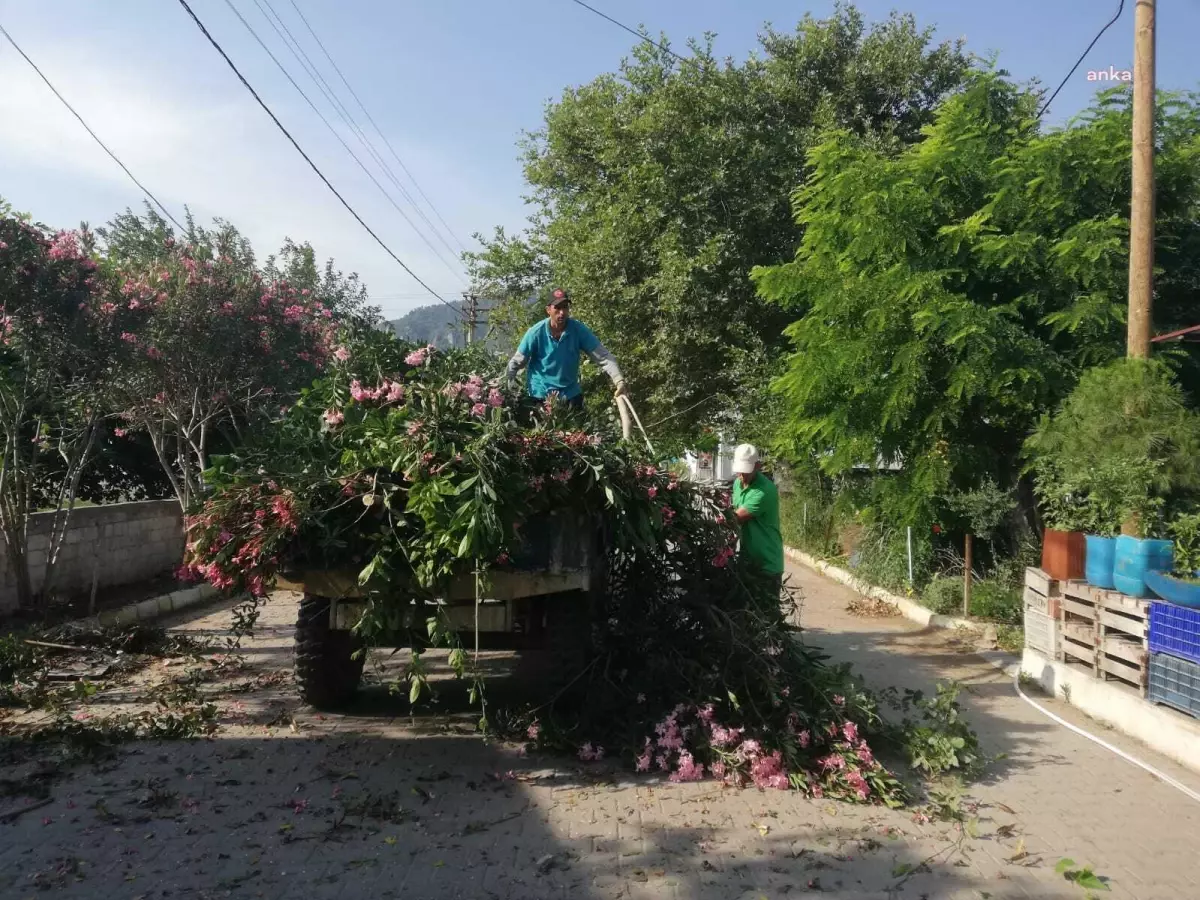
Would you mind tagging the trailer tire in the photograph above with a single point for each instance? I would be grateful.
(328, 664)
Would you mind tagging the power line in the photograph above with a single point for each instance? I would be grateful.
(300, 150)
(301, 56)
(1079, 61)
(334, 132)
(637, 34)
(95, 137)
(378, 130)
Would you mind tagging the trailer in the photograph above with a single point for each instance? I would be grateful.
(541, 604)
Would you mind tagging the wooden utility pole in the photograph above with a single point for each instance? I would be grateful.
(968, 564)
(1141, 210)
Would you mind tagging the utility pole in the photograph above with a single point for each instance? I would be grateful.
(1141, 207)
(471, 311)
(470, 315)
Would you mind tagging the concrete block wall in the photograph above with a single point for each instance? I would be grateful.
(120, 543)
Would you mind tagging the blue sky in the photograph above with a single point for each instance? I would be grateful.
(452, 84)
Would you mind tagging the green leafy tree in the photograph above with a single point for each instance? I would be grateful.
(56, 340)
(947, 296)
(659, 187)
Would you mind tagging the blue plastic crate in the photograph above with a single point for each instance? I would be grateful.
(1174, 630)
(1174, 682)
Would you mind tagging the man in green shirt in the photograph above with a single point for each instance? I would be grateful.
(756, 506)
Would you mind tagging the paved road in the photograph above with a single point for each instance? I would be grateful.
(286, 803)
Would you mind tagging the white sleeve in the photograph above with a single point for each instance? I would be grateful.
(515, 365)
(603, 357)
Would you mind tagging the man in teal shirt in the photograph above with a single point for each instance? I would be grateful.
(551, 349)
(756, 506)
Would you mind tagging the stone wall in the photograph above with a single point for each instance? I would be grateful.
(119, 543)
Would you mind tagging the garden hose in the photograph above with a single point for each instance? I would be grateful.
(625, 405)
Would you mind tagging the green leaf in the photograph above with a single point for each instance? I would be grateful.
(1091, 882)
(1064, 865)
(414, 692)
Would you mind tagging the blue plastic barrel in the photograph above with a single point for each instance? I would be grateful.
(1137, 556)
(1098, 563)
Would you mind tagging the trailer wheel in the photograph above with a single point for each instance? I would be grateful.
(328, 671)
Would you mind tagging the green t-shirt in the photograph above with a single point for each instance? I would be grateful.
(761, 538)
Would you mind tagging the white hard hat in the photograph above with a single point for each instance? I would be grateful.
(745, 459)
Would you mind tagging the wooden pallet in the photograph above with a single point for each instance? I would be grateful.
(1105, 630)
(1113, 613)
(1041, 632)
(1043, 594)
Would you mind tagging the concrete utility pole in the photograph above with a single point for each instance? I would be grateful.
(1141, 208)
(471, 311)
(470, 315)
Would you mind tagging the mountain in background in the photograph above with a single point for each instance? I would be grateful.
(437, 324)
(440, 324)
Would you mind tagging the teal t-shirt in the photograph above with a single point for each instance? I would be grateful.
(762, 540)
(553, 366)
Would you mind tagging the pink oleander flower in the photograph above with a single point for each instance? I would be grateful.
(804, 738)
(687, 769)
(341, 354)
(358, 392)
(718, 769)
(643, 761)
(334, 417)
(724, 737)
(652, 492)
(588, 753)
(120, 432)
(832, 763)
(850, 732)
(856, 781)
(750, 749)
(414, 427)
(495, 398)
(722, 558)
(533, 731)
(417, 357)
(479, 410)
(154, 353)
(395, 392)
(839, 700)
(65, 245)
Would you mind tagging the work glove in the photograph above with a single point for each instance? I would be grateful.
(621, 390)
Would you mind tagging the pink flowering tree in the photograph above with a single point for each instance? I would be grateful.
(55, 347)
(207, 343)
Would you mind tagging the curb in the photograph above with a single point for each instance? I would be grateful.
(153, 608)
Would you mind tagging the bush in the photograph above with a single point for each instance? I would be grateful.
(943, 595)
(813, 529)
(882, 558)
(997, 601)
